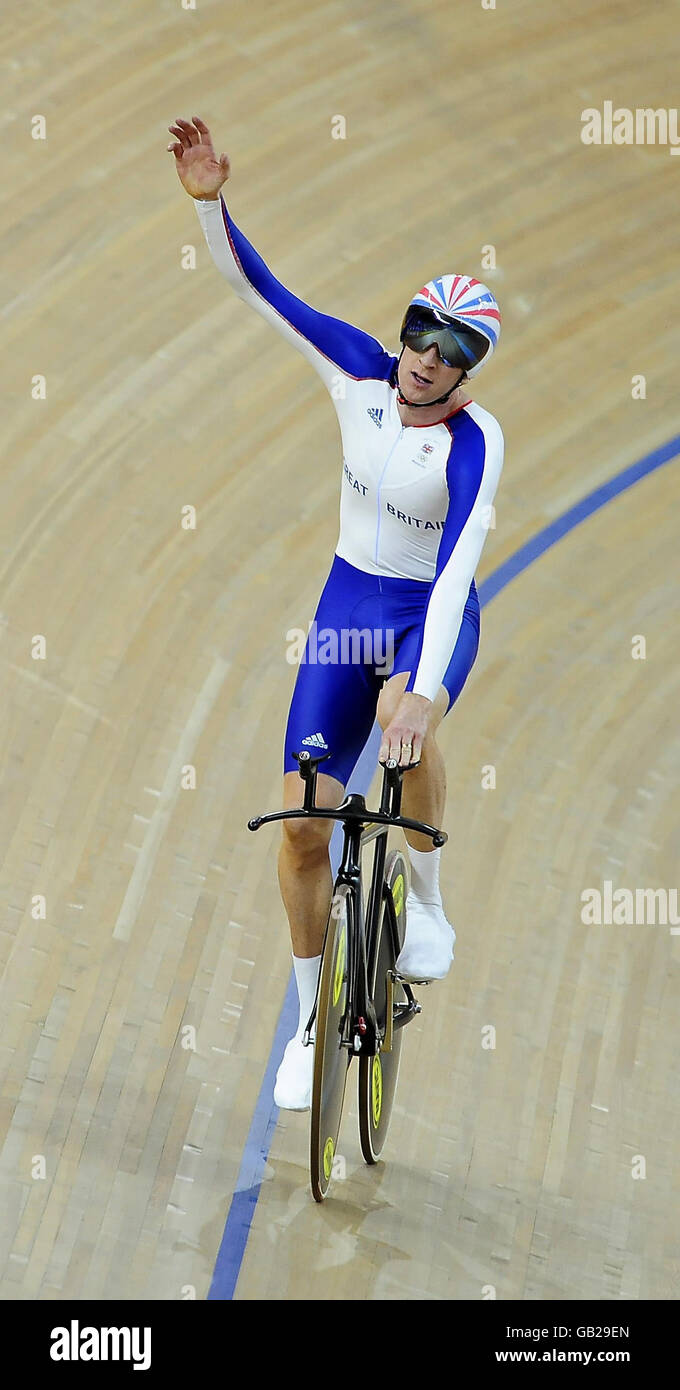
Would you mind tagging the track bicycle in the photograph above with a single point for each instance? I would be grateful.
(362, 1003)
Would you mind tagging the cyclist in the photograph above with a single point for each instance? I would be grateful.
(420, 471)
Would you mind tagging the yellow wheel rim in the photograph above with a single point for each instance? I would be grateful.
(339, 976)
(398, 894)
(376, 1090)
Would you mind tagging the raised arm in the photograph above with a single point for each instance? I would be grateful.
(331, 345)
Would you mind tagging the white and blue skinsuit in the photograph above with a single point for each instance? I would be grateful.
(415, 509)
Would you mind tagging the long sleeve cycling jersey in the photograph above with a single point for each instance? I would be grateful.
(416, 500)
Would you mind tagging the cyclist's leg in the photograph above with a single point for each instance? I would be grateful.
(424, 790)
(428, 948)
(304, 866)
(306, 886)
(333, 708)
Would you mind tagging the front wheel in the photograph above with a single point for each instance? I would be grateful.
(378, 1074)
(331, 1059)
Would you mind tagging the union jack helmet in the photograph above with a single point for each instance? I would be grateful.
(466, 303)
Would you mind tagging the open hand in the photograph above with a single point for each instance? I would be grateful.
(200, 171)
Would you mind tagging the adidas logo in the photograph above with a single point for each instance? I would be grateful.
(376, 415)
(316, 740)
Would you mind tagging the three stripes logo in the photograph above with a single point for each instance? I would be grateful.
(376, 414)
(316, 741)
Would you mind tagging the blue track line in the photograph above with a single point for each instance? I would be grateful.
(251, 1173)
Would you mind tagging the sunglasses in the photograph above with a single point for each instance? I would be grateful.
(458, 346)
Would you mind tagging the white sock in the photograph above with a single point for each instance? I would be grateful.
(306, 975)
(425, 874)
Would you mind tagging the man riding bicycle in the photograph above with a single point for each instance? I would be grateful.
(421, 467)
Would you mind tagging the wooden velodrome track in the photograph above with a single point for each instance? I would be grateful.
(508, 1168)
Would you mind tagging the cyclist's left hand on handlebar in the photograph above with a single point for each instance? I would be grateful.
(403, 737)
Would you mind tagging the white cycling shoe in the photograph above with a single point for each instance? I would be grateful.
(427, 952)
(293, 1089)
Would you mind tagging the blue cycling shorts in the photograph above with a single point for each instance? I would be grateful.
(342, 672)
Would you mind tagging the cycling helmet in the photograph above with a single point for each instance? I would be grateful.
(466, 309)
